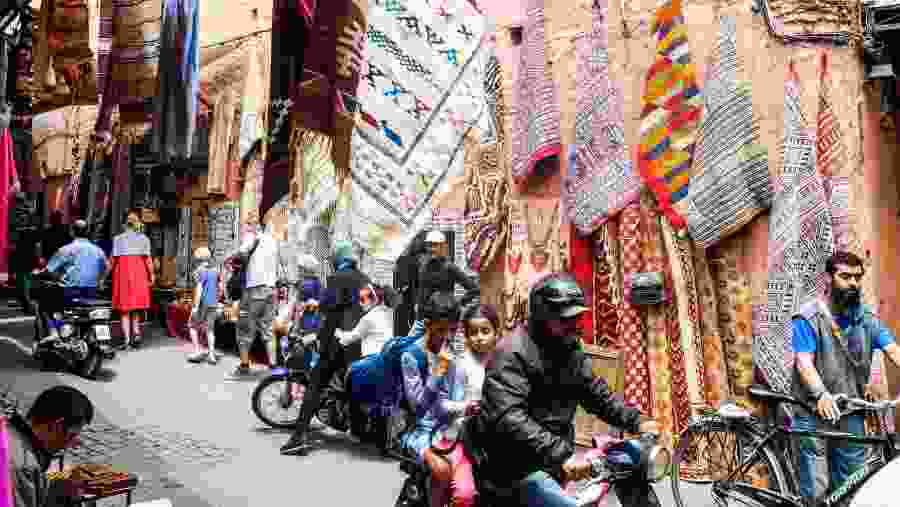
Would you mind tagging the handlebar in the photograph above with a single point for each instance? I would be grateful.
(847, 404)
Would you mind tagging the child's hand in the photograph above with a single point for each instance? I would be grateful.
(443, 364)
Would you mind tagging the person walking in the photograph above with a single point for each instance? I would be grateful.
(203, 314)
(133, 275)
(261, 257)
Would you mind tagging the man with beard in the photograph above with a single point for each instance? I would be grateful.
(834, 342)
(342, 310)
(524, 434)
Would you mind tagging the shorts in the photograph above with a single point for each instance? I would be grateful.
(205, 318)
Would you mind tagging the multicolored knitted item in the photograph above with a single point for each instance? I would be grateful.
(730, 182)
(670, 113)
(536, 139)
(603, 181)
(800, 241)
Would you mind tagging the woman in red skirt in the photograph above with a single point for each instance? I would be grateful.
(132, 275)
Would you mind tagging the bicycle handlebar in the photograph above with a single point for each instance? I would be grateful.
(861, 404)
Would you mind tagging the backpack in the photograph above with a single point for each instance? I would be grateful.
(378, 378)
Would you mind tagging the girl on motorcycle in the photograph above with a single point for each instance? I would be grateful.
(453, 482)
(375, 327)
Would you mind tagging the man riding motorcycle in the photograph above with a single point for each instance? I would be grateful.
(524, 435)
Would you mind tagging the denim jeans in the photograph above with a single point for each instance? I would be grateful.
(539, 489)
(843, 458)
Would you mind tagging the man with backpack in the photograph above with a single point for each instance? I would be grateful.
(259, 258)
(341, 308)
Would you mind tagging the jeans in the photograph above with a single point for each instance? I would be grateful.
(539, 489)
(843, 458)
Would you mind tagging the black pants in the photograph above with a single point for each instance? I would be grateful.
(333, 359)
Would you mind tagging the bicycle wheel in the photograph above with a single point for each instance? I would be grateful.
(710, 451)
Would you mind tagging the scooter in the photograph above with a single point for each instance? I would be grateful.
(278, 397)
(624, 469)
(84, 338)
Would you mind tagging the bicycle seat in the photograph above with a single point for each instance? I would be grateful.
(771, 396)
(91, 303)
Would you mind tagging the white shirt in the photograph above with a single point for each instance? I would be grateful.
(263, 268)
(374, 329)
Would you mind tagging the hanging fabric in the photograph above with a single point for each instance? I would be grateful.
(581, 265)
(665, 354)
(65, 69)
(255, 95)
(185, 254)
(224, 134)
(670, 112)
(637, 375)
(127, 59)
(121, 186)
(487, 191)
(8, 187)
(289, 40)
(179, 74)
(515, 293)
(602, 181)
(607, 285)
(730, 183)
(536, 146)
(800, 241)
(7, 481)
(715, 379)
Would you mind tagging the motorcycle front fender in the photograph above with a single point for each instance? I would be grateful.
(632, 493)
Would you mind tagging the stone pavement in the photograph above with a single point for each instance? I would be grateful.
(191, 436)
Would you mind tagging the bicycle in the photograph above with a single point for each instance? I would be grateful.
(764, 446)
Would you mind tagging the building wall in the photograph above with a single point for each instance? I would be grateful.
(874, 194)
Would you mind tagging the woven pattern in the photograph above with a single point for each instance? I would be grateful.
(730, 182)
(535, 138)
(602, 182)
(184, 255)
(715, 380)
(800, 241)
(606, 284)
(409, 140)
(681, 266)
(670, 112)
(637, 377)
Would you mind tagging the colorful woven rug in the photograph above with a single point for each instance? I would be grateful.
(800, 241)
(536, 140)
(420, 92)
(603, 181)
(637, 376)
(730, 182)
(607, 286)
(670, 113)
(715, 379)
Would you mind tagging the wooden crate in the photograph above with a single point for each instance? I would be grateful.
(607, 364)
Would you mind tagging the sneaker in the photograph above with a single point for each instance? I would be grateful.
(195, 358)
(296, 445)
(136, 342)
(212, 359)
(240, 373)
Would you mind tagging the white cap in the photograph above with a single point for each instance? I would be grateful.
(435, 237)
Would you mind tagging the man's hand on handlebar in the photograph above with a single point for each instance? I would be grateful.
(827, 408)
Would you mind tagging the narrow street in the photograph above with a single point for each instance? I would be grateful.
(192, 437)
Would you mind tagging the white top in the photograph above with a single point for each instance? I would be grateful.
(374, 329)
(263, 268)
(468, 374)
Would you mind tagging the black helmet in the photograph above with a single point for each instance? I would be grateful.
(557, 296)
(440, 306)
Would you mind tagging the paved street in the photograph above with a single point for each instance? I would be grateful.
(192, 437)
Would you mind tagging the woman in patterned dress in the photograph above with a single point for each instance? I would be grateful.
(133, 275)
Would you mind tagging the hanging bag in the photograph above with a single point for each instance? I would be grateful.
(645, 288)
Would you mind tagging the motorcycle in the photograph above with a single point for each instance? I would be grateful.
(278, 397)
(84, 338)
(627, 468)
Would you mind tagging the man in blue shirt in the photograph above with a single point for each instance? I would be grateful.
(834, 345)
(82, 264)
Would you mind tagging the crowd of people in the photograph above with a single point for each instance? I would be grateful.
(513, 397)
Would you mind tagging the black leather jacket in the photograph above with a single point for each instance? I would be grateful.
(528, 407)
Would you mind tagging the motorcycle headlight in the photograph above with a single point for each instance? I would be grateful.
(66, 330)
(100, 314)
(657, 463)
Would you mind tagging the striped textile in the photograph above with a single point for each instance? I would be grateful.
(127, 56)
(800, 241)
(535, 138)
(602, 181)
(730, 182)
(670, 113)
